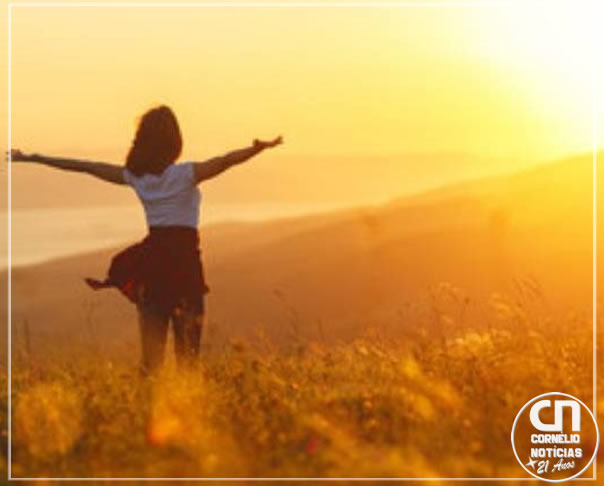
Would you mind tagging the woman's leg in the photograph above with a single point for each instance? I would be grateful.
(154, 331)
(188, 326)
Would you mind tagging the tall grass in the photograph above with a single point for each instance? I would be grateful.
(437, 401)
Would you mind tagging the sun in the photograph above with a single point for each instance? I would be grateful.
(554, 49)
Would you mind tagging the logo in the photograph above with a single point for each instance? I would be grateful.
(555, 437)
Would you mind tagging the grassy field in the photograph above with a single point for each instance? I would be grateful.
(437, 401)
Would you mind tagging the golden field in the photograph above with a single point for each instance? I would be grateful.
(396, 341)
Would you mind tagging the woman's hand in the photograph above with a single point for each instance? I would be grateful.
(107, 172)
(217, 165)
(259, 144)
(18, 156)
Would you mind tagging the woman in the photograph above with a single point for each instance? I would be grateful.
(163, 274)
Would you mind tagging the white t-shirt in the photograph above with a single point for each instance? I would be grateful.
(171, 198)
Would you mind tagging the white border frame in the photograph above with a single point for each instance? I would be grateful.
(466, 3)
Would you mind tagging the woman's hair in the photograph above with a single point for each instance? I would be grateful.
(157, 142)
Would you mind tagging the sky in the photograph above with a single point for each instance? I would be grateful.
(510, 83)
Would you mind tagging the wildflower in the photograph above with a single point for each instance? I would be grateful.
(48, 419)
(312, 445)
(410, 368)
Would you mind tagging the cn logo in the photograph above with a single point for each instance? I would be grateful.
(558, 411)
(543, 442)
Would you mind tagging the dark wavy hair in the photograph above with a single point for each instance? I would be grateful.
(157, 142)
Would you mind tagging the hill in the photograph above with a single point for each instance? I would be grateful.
(526, 238)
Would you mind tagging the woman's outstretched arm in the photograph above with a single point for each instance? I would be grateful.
(102, 170)
(214, 166)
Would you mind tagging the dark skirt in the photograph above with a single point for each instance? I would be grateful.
(164, 271)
